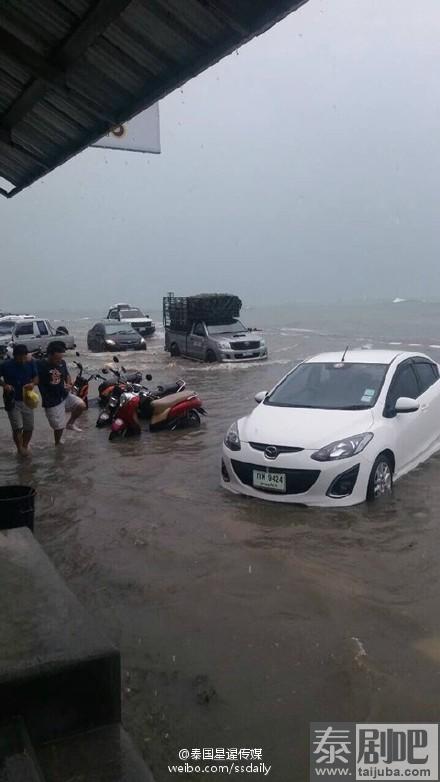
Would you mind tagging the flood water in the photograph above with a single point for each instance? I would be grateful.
(239, 621)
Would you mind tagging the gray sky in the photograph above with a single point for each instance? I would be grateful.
(306, 166)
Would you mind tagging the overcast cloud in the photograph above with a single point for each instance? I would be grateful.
(304, 167)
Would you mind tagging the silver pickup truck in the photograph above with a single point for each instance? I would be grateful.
(35, 333)
(224, 342)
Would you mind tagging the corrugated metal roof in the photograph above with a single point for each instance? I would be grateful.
(70, 70)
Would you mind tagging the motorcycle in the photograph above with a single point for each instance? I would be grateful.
(107, 386)
(173, 411)
(127, 382)
(80, 386)
(110, 391)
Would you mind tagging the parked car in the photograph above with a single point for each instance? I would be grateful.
(222, 342)
(125, 313)
(7, 325)
(114, 335)
(337, 430)
(207, 327)
(35, 333)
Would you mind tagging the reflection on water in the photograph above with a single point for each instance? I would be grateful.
(271, 604)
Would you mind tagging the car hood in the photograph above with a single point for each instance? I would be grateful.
(302, 427)
(243, 336)
(125, 337)
(136, 320)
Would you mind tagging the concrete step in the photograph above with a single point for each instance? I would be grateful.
(57, 671)
(18, 762)
(103, 755)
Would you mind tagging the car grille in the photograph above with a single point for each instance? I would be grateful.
(245, 345)
(280, 448)
(297, 481)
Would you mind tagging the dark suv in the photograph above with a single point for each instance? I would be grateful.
(114, 335)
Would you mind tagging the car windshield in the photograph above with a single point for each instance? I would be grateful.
(132, 313)
(227, 328)
(341, 386)
(6, 326)
(119, 328)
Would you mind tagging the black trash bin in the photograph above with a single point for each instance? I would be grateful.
(17, 507)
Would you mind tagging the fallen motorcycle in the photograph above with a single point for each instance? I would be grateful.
(173, 411)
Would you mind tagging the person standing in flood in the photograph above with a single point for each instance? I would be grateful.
(18, 374)
(55, 389)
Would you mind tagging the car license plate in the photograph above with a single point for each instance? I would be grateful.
(275, 481)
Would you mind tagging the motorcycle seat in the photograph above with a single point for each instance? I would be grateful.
(160, 406)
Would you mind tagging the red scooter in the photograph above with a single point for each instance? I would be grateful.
(80, 386)
(175, 411)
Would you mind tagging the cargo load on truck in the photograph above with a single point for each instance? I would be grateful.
(180, 312)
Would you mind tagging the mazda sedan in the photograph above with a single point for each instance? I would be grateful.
(338, 429)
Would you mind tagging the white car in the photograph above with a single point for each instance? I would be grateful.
(7, 326)
(125, 313)
(337, 429)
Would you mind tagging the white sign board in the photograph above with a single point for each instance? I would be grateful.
(140, 134)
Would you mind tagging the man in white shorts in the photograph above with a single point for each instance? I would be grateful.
(55, 384)
(19, 374)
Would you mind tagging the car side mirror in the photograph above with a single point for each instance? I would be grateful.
(77, 354)
(260, 396)
(115, 359)
(148, 377)
(406, 405)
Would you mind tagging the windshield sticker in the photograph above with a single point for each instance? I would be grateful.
(369, 392)
(366, 398)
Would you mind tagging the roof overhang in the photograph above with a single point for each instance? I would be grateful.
(71, 70)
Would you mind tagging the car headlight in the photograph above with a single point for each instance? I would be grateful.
(343, 449)
(262, 343)
(224, 345)
(232, 439)
(110, 342)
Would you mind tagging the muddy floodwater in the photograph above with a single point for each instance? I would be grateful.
(239, 621)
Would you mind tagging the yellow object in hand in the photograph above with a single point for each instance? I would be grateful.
(31, 398)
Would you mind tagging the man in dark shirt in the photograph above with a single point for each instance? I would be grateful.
(55, 384)
(19, 374)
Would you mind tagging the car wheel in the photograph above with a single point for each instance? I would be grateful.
(211, 358)
(174, 350)
(381, 478)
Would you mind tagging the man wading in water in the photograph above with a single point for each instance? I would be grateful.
(55, 385)
(19, 374)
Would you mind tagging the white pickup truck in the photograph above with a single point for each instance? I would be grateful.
(35, 333)
(125, 313)
(223, 342)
